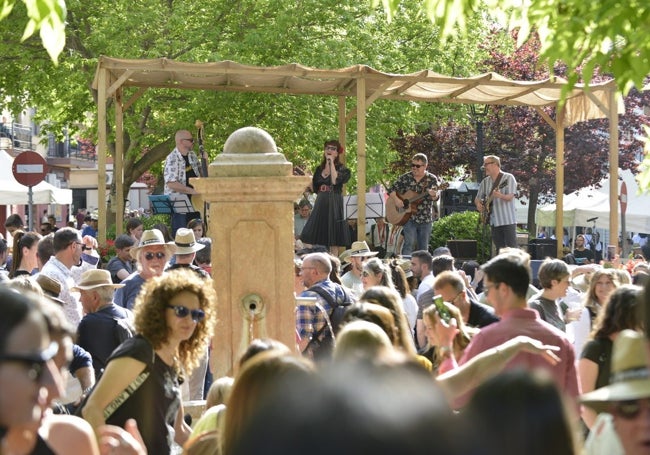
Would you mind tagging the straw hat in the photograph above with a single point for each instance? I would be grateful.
(95, 278)
(152, 237)
(630, 378)
(359, 249)
(405, 264)
(186, 242)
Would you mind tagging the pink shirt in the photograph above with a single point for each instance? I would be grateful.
(525, 321)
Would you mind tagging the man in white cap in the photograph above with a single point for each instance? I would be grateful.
(623, 427)
(357, 254)
(186, 248)
(105, 324)
(152, 254)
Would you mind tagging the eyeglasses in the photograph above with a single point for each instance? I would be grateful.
(416, 166)
(457, 295)
(36, 363)
(629, 409)
(332, 147)
(85, 248)
(487, 287)
(158, 255)
(76, 242)
(182, 312)
(307, 268)
(188, 139)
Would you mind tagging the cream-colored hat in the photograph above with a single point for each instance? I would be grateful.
(95, 278)
(186, 242)
(152, 237)
(630, 378)
(361, 249)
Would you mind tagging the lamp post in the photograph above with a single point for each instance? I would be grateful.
(478, 113)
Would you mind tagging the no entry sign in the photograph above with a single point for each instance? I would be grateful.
(29, 168)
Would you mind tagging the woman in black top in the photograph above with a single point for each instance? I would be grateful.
(327, 225)
(173, 317)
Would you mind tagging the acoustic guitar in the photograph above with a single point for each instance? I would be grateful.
(399, 214)
(486, 213)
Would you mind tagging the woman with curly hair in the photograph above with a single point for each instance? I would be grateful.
(24, 253)
(174, 314)
(619, 313)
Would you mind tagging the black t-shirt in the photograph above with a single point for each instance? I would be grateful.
(599, 350)
(480, 315)
(189, 171)
(155, 403)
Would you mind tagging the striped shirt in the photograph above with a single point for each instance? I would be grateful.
(503, 212)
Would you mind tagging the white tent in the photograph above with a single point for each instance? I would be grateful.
(587, 203)
(13, 193)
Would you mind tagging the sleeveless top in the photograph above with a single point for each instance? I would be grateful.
(155, 404)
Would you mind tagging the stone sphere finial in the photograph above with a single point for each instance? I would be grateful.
(252, 152)
(250, 139)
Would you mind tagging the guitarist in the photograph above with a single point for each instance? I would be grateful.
(496, 199)
(417, 229)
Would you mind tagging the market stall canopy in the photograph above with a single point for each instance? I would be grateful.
(581, 206)
(13, 193)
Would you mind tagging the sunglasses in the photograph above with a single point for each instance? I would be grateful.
(182, 312)
(629, 409)
(417, 166)
(35, 363)
(159, 255)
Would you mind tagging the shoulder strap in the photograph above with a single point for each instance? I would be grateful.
(324, 294)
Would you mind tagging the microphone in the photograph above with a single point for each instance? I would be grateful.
(589, 220)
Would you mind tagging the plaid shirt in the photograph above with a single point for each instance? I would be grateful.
(406, 182)
(309, 316)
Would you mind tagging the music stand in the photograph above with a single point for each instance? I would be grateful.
(161, 204)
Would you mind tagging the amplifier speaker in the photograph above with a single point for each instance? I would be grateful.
(463, 249)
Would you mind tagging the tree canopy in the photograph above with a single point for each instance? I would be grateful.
(319, 33)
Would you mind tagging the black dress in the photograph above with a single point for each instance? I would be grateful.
(327, 225)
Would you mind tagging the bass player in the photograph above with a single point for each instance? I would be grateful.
(495, 202)
(417, 229)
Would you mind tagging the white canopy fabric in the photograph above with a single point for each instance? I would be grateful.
(13, 193)
(591, 202)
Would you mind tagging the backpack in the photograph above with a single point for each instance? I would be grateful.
(322, 342)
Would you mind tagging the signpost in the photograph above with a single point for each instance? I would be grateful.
(623, 200)
(29, 169)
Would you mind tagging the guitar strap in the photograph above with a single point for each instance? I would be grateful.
(496, 183)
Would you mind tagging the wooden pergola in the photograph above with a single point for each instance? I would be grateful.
(124, 81)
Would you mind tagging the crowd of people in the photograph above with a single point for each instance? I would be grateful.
(394, 353)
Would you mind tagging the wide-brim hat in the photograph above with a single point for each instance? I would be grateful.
(360, 249)
(95, 278)
(630, 377)
(152, 237)
(186, 242)
(405, 264)
(51, 287)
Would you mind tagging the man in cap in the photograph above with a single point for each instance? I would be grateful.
(356, 255)
(67, 246)
(120, 266)
(152, 254)
(105, 324)
(623, 427)
(186, 248)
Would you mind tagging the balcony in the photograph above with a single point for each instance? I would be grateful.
(15, 137)
(70, 152)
